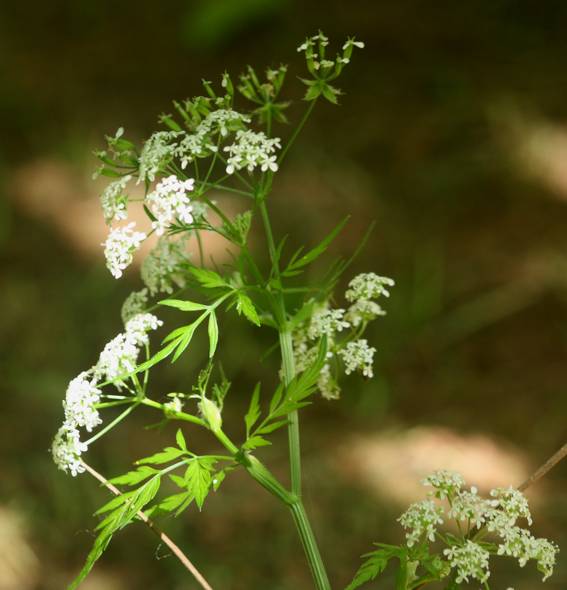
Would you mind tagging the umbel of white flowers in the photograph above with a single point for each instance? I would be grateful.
(498, 515)
(118, 358)
(343, 329)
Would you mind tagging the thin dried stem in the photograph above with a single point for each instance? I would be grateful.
(154, 528)
(545, 468)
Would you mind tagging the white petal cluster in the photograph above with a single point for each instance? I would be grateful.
(80, 399)
(522, 545)
(470, 561)
(368, 286)
(158, 150)
(512, 502)
(421, 520)
(445, 483)
(327, 322)
(114, 201)
(120, 246)
(160, 269)
(358, 356)
(67, 449)
(363, 311)
(120, 355)
(134, 304)
(468, 506)
(251, 150)
(497, 515)
(169, 201)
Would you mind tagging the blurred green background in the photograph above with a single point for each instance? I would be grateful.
(452, 135)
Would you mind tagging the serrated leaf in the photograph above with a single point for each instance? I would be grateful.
(182, 304)
(133, 477)
(208, 278)
(178, 480)
(165, 456)
(253, 412)
(244, 305)
(180, 439)
(183, 342)
(156, 358)
(213, 329)
(255, 442)
(375, 564)
(198, 477)
(121, 517)
(175, 502)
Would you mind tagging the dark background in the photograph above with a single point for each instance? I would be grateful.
(451, 135)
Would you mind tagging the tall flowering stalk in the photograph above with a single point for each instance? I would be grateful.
(212, 145)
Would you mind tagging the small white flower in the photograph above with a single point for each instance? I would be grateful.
(80, 400)
(368, 286)
(161, 269)
(421, 520)
(67, 449)
(363, 311)
(512, 502)
(251, 150)
(446, 483)
(358, 356)
(134, 304)
(327, 385)
(114, 201)
(327, 322)
(470, 560)
(158, 150)
(119, 357)
(120, 247)
(169, 202)
(469, 506)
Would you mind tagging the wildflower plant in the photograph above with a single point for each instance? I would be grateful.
(227, 142)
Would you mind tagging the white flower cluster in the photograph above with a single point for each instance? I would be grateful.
(358, 356)
(367, 286)
(470, 561)
(134, 304)
(114, 201)
(445, 483)
(158, 150)
(421, 520)
(160, 269)
(83, 393)
(120, 246)
(326, 322)
(80, 400)
(119, 356)
(363, 311)
(67, 449)
(497, 514)
(250, 150)
(169, 201)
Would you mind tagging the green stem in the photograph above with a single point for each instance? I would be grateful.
(288, 366)
(112, 424)
(310, 545)
(297, 131)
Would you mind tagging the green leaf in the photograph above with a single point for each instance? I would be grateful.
(178, 480)
(213, 329)
(272, 427)
(183, 341)
(180, 439)
(244, 305)
(198, 478)
(298, 262)
(182, 305)
(115, 521)
(133, 477)
(255, 442)
(175, 502)
(253, 411)
(165, 456)
(375, 564)
(208, 278)
(115, 502)
(158, 356)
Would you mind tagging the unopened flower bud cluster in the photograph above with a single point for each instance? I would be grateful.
(496, 515)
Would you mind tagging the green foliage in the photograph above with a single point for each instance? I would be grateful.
(376, 562)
